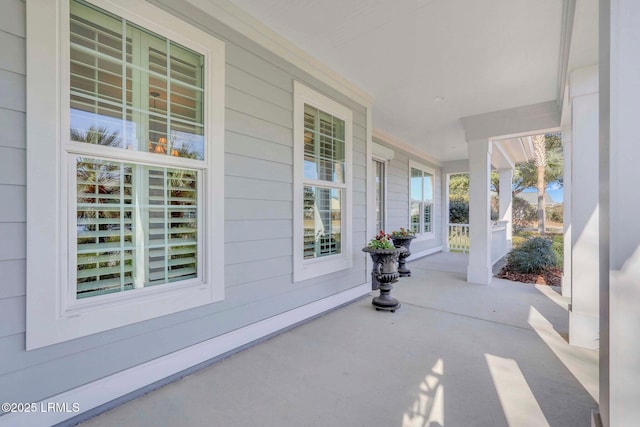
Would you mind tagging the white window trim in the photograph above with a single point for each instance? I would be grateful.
(383, 155)
(307, 269)
(385, 163)
(49, 320)
(425, 169)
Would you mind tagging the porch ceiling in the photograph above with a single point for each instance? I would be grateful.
(427, 63)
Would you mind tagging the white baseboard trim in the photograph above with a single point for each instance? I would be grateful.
(105, 390)
(431, 251)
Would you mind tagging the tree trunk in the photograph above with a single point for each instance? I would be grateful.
(541, 192)
(540, 161)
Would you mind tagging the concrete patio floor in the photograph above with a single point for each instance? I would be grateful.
(454, 355)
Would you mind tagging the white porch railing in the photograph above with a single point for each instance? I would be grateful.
(499, 245)
(458, 238)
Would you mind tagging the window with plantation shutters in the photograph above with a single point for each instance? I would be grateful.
(125, 126)
(131, 89)
(322, 184)
(420, 198)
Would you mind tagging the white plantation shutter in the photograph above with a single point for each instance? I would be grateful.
(137, 223)
(128, 237)
(104, 228)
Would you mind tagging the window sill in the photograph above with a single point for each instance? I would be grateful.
(424, 237)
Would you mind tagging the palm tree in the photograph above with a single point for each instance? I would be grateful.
(540, 162)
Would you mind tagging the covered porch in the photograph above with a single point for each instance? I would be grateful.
(456, 352)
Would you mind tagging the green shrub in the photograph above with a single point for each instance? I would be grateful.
(517, 241)
(458, 210)
(533, 256)
(555, 213)
(557, 246)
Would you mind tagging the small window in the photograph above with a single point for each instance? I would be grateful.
(322, 184)
(421, 187)
(380, 190)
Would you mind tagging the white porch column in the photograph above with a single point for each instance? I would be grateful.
(479, 269)
(505, 202)
(445, 213)
(567, 211)
(583, 317)
(620, 204)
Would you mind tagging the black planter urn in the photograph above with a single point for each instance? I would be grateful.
(403, 242)
(385, 272)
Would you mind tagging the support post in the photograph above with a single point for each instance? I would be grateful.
(506, 202)
(583, 317)
(479, 268)
(619, 204)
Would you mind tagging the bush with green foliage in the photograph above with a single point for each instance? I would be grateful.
(557, 246)
(533, 256)
(517, 241)
(458, 210)
(555, 213)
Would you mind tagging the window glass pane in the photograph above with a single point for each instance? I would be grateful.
(428, 187)
(416, 184)
(322, 221)
(324, 154)
(379, 195)
(136, 226)
(133, 90)
(427, 217)
(415, 217)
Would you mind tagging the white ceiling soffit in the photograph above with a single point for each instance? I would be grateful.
(427, 63)
(509, 152)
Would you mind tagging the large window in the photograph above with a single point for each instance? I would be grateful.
(420, 198)
(322, 132)
(139, 144)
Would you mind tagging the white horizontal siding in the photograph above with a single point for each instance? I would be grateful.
(250, 63)
(13, 278)
(13, 166)
(13, 90)
(257, 87)
(257, 168)
(12, 203)
(256, 107)
(12, 316)
(12, 53)
(13, 127)
(258, 271)
(250, 230)
(237, 187)
(13, 236)
(245, 124)
(248, 146)
(12, 18)
(257, 209)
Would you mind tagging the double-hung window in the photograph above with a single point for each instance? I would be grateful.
(421, 188)
(322, 184)
(136, 149)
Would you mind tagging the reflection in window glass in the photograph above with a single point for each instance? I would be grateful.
(136, 226)
(324, 155)
(133, 89)
(380, 192)
(322, 221)
(421, 209)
